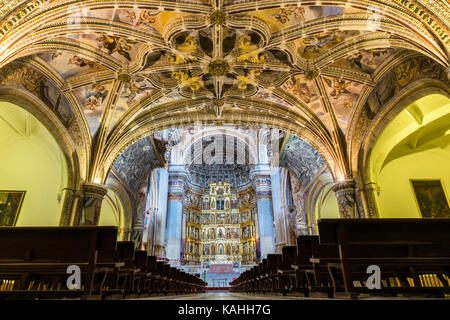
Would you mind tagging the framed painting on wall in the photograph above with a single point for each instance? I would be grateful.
(431, 198)
(10, 204)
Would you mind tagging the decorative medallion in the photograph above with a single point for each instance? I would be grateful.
(217, 18)
(311, 74)
(124, 77)
(218, 68)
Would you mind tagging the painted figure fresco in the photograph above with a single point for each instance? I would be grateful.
(299, 89)
(81, 62)
(115, 44)
(95, 96)
(134, 88)
(286, 14)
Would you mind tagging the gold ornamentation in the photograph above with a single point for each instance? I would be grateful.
(7, 6)
(124, 77)
(218, 68)
(186, 51)
(218, 107)
(217, 18)
(311, 74)
(405, 72)
(249, 51)
(183, 78)
(426, 19)
(243, 82)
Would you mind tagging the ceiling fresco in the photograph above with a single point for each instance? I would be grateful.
(302, 159)
(129, 70)
(136, 162)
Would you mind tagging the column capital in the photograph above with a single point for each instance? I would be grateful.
(259, 170)
(94, 190)
(178, 177)
(260, 175)
(341, 186)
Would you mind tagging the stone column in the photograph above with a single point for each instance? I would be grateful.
(345, 194)
(161, 213)
(177, 184)
(370, 191)
(260, 175)
(93, 195)
(139, 220)
(68, 206)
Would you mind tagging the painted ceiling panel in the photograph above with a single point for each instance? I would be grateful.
(134, 164)
(93, 99)
(281, 18)
(295, 67)
(343, 96)
(183, 57)
(301, 158)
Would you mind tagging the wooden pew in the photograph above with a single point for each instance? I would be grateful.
(143, 277)
(303, 264)
(127, 274)
(260, 276)
(402, 248)
(286, 274)
(44, 253)
(320, 278)
(273, 264)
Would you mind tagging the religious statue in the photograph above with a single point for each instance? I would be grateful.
(220, 233)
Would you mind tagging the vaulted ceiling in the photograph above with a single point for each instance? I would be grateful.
(115, 71)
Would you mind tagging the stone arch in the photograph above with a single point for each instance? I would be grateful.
(40, 111)
(413, 92)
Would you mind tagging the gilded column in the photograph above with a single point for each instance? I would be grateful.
(345, 194)
(370, 190)
(260, 175)
(139, 220)
(93, 195)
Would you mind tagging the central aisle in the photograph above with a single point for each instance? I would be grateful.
(222, 295)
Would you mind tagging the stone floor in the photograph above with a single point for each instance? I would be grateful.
(220, 295)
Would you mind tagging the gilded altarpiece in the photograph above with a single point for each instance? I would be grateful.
(221, 230)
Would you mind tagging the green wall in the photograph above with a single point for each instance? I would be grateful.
(326, 205)
(31, 160)
(112, 210)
